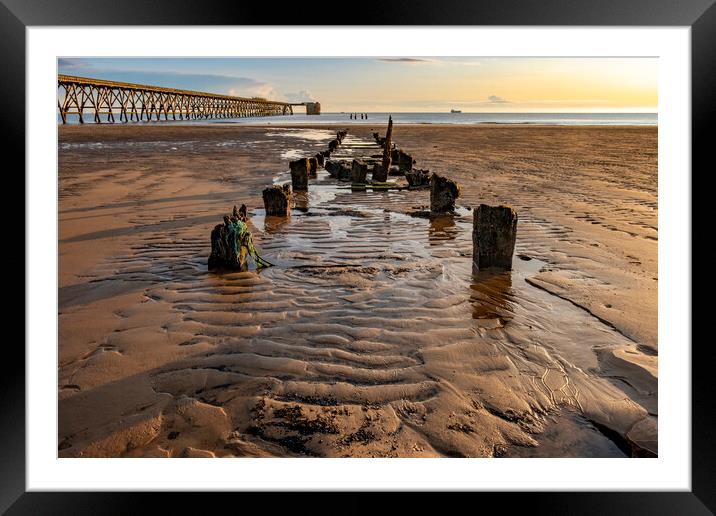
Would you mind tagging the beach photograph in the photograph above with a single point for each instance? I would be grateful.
(357, 257)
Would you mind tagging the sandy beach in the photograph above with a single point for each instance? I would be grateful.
(371, 336)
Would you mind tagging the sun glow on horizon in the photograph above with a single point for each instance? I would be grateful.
(404, 84)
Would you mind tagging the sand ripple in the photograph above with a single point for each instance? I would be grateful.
(370, 337)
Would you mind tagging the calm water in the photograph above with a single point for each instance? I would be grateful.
(439, 118)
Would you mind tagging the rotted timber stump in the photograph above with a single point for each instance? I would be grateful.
(227, 251)
(345, 173)
(494, 232)
(320, 159)
(313, 166)
(380, 174)
(277, 200)
(299, 174)
(381, 170)
(359, 171)
(418, 178)
(443, 192)
(332, 167)
(401, 158)
(385, 166)
(339, 170)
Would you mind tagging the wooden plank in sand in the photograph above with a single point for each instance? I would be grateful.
(375, 186)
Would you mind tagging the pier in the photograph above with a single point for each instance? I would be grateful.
(127, 102)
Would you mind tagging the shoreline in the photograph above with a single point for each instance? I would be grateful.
(67, 133)
(330, 125)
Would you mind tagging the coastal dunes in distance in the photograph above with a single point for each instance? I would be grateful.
(371, 336)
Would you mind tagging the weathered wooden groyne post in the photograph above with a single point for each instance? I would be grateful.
(231, 243)
(299, 174)
(359, 171)
(339, 170)
(313, 166)
(494, 232)
(401, 158)
(226, 252)
(388, 145)
(418, 178)
(380, 172)
(277, 200)
(443, 192)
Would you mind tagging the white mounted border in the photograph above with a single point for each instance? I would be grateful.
(671, 471)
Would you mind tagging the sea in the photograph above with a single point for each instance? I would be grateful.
(344, 118)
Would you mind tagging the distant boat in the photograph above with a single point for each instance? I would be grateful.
(455, 111)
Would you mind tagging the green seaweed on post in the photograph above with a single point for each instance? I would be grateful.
(232, 242)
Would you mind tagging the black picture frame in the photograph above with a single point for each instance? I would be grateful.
(16, 15)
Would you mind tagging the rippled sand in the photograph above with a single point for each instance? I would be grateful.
(371, 336)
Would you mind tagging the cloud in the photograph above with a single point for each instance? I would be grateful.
(246, 87)
(210, 83)
(403, 60)
(301, 96)
(66, 63)
(467, 63)
(494, 99)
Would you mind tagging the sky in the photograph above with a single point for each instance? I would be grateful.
(402, 84)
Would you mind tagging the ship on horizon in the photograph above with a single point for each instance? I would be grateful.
(455, 111)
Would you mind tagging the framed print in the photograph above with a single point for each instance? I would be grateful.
(446, 253)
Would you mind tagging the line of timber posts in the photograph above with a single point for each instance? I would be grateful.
(83, 96)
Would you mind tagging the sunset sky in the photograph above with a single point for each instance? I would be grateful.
(415, 84)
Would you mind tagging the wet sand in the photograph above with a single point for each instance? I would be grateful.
(371, 336)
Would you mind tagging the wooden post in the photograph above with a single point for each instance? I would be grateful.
(443, 192)
(299, 174)
(277, 200)
(313, 162)
(380, 172)
(387, 161)
(418, 178)
(359, 170)
(494, 232)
